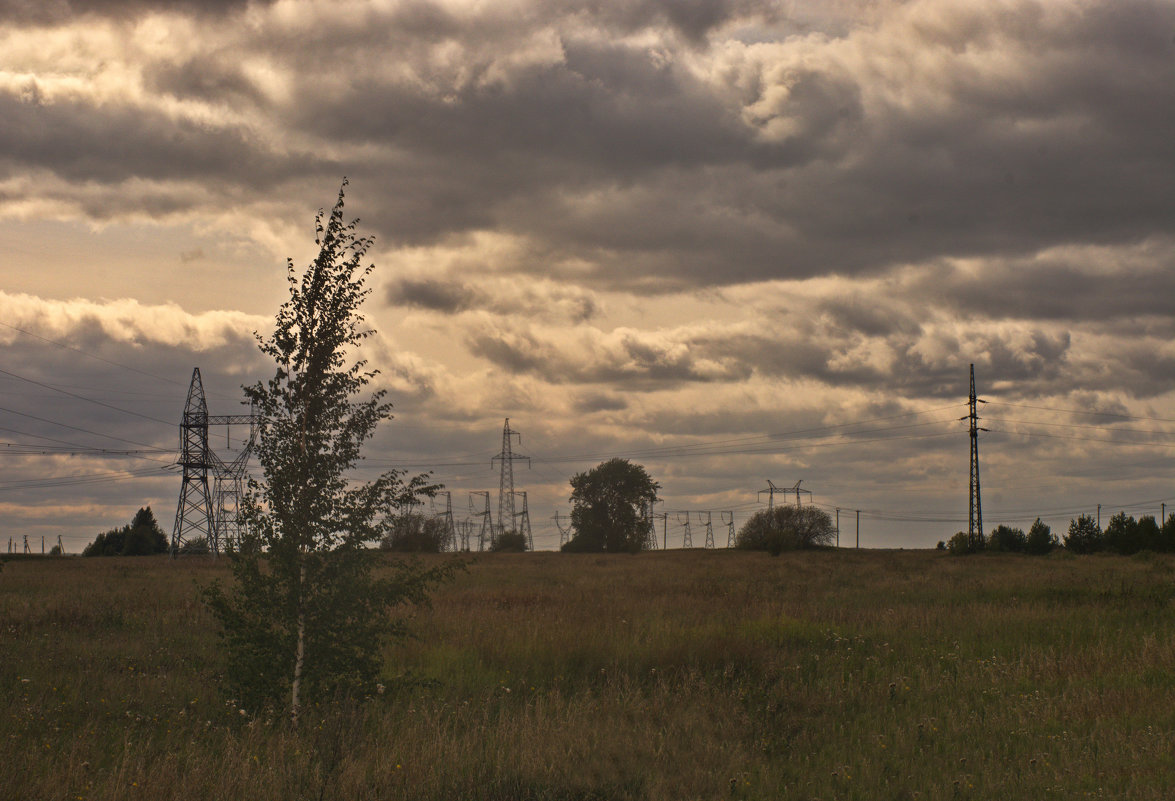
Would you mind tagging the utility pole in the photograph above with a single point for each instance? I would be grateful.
(838, 528)
(1099, 517)
(507, 458)
(974, 503)
(60, 547)
(858, 528)
(26, 544)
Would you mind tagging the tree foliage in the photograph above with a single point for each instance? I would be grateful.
(509, 542)
(1041, 539)
(1084, 536)
(1006, 538)
(786, 528)
(307, 617)
(142, 537)
(607, 507)
(414, 532)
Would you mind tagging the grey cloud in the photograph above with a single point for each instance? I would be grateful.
(442, 296)
(114, 143)
(60, 12)
(591, 402)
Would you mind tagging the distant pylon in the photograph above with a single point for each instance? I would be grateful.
(687, 538)
(728, 521)
(522, 521)
(507, 458)
(485, 533)
(648, 525)
(194, 513)
(564, 533)
(709, 527)
(974, 501)
(446, 516)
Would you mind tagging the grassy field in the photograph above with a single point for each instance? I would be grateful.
(680, 675)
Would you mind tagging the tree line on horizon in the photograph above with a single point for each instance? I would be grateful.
(1123, 534)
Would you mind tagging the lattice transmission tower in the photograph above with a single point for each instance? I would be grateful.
(522, 521)
(564, 533)
(728, 521)
(485, 531)
(506, 459)
(212, 488)
(446, 517)
(974, 501)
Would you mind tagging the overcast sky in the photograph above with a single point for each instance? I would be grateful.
(734, 241)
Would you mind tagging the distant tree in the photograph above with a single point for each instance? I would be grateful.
(1122, 535)
(416, 533)
(142, 537)
(960, 544)
(1167, 534)
(1150, 536)
(509, 542)
(56, 551)
(1084, 536)
(1041, 539)
(307, 618)
(1006, 538)
(786, 528)
(607, 504)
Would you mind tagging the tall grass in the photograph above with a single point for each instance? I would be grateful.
(836, 674)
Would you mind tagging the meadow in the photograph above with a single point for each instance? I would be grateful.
(669, 675)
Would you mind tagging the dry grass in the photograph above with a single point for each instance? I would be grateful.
(706, 675)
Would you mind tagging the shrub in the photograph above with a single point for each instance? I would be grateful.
(1005, 538)
(509, 542)
(415, 533)
(961, 544)
(786, 528)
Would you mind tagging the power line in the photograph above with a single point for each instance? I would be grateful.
(89, 355)
(1083, 411)
(74, 428)
(84, 398)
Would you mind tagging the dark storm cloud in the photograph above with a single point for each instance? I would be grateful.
(60, 12)
(953, 132)
(442, 296)
(112, 143)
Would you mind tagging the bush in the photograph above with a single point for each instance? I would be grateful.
(195, 547)
(1040, 540)
(1005, 538)
(961, 544)
(786, 528)
(509, 542)
(415, 533)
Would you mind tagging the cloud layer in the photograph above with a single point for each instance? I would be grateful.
(626, 225)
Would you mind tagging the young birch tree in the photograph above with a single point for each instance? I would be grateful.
(307, 618)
